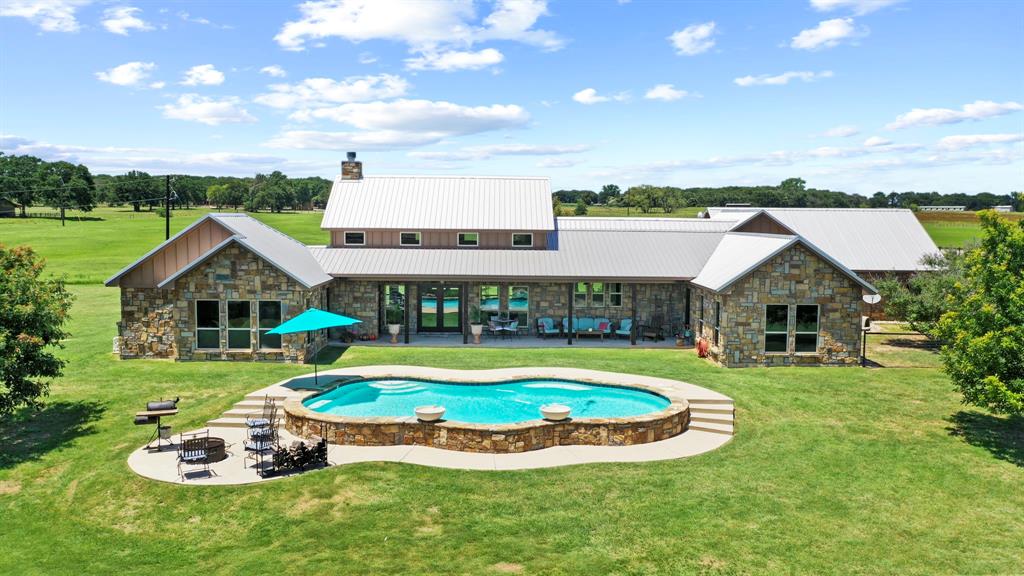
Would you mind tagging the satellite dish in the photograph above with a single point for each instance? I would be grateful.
(872, 298)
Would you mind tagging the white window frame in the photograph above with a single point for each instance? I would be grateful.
(227, 320)
(260, 331)
(603, 294)
(817, 333)
(458, 240)
(765, 332)
(218, 328)
(526, 314)
(586, 294)
(344, 237)
(419, 238)
(612, 293)
(514, 234)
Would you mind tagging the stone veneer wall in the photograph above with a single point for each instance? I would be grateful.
(509, 438)
(796, 276)
(358, 299)
(160, 323)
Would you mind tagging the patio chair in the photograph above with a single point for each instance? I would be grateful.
(625, 328)
(654, 328)
(266, 415)
(260, 442)
(513, 328)
(546, 327)
(194, 450)
(492, 327)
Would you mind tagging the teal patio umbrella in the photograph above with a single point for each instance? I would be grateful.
(311, 320)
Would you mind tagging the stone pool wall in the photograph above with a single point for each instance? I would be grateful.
(495, 438)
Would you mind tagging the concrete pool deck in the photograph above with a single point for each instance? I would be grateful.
(711, 427)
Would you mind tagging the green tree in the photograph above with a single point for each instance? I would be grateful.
(272, 192)
(19, 179)
(67, 185)
(136, 187)
(581, 208)
(983, 331)
(921, 300)
(33, 310)
(1018, 201)
(556, 205)
(608, 194)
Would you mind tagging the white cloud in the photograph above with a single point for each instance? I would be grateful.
(453, 60)
(367, 58)
(781, 79)
(200, 20)
(209, 111)
(666, 92)
(49, 16)
(317, 92)
(977, 110)
(590, 96)
(827, 34)
(489, 151)
(273, 70)
(559, 162)
(157, 85)
(127, 74)
(204, 74)
(858, 7)
(960, 142)
(399, 123)
(843, 131)
(423, 26)
(121, 19)
(693, 39)
(874, 141)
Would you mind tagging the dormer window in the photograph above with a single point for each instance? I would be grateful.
(523, 240)
(355, 238)
(469, 239)
(410, 239)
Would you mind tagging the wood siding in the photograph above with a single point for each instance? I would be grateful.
(175, 256)
(763, 225)
(490, 239)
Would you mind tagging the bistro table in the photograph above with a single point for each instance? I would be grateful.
(505, 325)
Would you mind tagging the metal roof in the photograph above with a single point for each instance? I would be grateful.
(284, 252)
(643, 224)
(876, 239)
(608, 255)
(439, 203)
(740, 253)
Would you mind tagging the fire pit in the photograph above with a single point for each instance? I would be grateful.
(215, 450)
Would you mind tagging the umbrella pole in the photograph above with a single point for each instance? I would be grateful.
(316, 376)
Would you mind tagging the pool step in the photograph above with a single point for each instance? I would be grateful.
(715, 418)
(712, 427)
(250, 407)
(712, 415)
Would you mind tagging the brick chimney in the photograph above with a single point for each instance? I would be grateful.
(351, 169)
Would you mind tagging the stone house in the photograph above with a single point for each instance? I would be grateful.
(764, 287)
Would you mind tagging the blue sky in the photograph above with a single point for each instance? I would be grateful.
(855, 95)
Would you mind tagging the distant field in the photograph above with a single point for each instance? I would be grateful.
(956, 229)
(613, 211)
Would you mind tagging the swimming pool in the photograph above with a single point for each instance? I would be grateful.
(485, 403)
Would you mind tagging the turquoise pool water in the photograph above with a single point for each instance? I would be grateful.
(491, 403)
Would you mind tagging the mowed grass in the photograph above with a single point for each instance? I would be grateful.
(956, 229)
(832, 470)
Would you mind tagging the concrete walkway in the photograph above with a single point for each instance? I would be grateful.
(162, 465)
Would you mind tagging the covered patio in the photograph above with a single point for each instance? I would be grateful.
(524, 341)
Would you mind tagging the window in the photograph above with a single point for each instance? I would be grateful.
(700, 318)
(579, 297)
(776, 327)
(614, 293)
(489, 301)
(355, 238)
(806, 339)
(519, 303)
(239, 325)
(393, 311)
(208, 324)
(269, 317)
(597, 294)
(718, 321)
(522, 240)
(469, 239)
(410, 238)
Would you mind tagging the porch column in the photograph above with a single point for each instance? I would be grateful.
(632, 314)
(405, 309)
(380, 307)
(463, 300)
(572, 289)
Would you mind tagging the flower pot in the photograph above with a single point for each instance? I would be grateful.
(394, 329)
(429, 413)
(476, 330)
(555, 412)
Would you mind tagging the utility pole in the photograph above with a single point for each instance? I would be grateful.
(167, 207)
(63, 199)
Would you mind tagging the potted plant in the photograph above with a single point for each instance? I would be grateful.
(476, 327)
(393, 316)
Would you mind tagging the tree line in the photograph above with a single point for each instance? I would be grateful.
(30, 181)
(790, 193)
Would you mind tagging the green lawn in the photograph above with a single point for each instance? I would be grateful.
(832, 470)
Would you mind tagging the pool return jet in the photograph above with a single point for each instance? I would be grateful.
(312, 320)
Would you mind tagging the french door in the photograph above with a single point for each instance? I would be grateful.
(440, 308)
